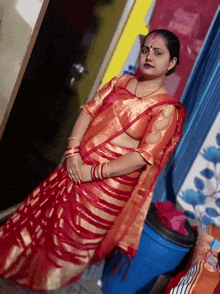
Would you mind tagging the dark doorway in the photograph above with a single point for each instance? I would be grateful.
(46, 108)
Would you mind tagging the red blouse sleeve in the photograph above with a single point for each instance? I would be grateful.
(160, 130)
(92, 107)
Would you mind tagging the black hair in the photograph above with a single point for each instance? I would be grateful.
(172, 43)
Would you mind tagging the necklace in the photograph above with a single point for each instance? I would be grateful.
(148, 94)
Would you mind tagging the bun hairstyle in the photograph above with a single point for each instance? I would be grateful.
(172, 43)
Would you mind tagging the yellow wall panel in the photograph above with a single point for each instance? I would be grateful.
(134, 27)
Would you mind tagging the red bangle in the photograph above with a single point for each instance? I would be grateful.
(72, 151)
(94, 171)
(68, 153)
(100, 172)
(70, 148)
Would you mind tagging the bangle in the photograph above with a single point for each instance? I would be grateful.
(71, 152)
(102, 168)
(99, 171)
(106, 169)
(74, 138)
(75, 147)
(91, 171)
(94, 171)
(71, 155)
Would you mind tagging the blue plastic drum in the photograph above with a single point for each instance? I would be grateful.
(160, 252)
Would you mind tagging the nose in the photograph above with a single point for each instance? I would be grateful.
(149, 55)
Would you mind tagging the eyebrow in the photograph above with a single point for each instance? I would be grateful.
(153, 48)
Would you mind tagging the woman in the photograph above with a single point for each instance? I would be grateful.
(100, 196)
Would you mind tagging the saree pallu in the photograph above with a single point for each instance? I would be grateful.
(54, 235)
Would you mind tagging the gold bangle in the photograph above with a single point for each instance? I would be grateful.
(106, 169)
(99, 171)
(74, 138)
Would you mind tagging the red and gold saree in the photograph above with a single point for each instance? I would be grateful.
(61, 227)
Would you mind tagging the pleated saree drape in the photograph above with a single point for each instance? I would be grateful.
(61, 226)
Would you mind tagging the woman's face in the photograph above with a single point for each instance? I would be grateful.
(155, 57)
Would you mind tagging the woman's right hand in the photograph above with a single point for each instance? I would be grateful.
(73, 167)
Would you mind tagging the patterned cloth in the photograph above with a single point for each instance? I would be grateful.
(200, 194)
(202, 273)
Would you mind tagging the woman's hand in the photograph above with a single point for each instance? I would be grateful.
(77, 171)
(73, 167)
(86, 172)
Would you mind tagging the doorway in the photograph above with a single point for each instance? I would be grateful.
(45, 107)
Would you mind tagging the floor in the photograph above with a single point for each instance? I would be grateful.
(90, 283)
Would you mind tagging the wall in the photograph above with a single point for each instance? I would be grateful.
(193, 173)
(124, 48)
(199, 195)
(17, 38)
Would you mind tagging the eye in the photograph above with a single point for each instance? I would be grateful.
(144, 50)
(158, 53)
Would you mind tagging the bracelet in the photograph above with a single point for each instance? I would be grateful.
(74, 138)
(106, 169)
(76, 147)
(102, 168)
(72, 151)
(91, 171)
(70, 155)
(97, 172)
(94, 172)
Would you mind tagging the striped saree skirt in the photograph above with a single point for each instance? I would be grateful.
(53, 236)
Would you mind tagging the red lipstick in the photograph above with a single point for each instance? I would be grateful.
(148, 65)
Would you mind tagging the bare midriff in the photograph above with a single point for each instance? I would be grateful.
(124, 140)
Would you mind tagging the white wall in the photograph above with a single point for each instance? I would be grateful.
(17, 37)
